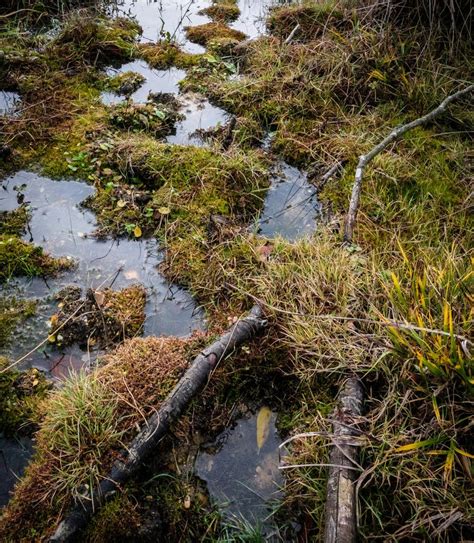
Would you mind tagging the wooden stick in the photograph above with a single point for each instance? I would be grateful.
(341, 503)
(158, 424)
(394, 135)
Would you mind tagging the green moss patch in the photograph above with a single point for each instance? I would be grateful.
(222, 11)
(14, 222)
(20, 396)
(12, 312)
(203, 34)
(20, 258)
(165, 54)
(125, 83)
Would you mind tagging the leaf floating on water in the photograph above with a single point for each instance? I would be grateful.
(137, 231)
(263, 426)
(131, 274)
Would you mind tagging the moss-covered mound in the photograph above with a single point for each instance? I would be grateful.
(19, 258)
(20, 396)
(103, 317)
(222, 11)
(205, 33)
(165, 54)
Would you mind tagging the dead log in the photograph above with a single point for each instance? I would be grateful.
(394, 135)
(158, 424)
(341, 503)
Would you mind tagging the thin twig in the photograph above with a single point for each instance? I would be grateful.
(394, 135)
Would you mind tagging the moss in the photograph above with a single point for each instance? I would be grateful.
(108, 524)
(203, 34)
(20, 396)
(125, 83)
(104, 317)
(166, 54)
(89, 38)
(20, 258)
(157, 119)
(222, 11)
(313, 19)
(189, 184)
(14, 222)
(224, 47)
(12, 312)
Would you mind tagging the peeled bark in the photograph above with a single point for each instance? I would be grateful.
(158, 424)
(341, 503)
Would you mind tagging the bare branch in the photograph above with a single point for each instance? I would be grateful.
(394, 135)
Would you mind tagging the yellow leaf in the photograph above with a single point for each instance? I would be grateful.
(121, 203)
(464, 453)
(35, 382)
(263, 426)
(164, 210)
(137, 231)
(414, 446)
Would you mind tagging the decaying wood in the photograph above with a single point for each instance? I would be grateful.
(341, 504)
(158, 424)
(394, 135)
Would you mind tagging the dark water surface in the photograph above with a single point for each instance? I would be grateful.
(60, 225)
(241, 470)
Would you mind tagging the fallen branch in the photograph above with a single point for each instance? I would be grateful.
(394, 135)
(341, 503)
(158, 424)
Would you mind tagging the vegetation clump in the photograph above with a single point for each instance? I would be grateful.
(187, 185)
(20, 396)
(150, 117)
(165, 54)
(312, 18)
(13, 311)
(125, 83)
(14, 222)
(103, 317)
(207, 32)
(85, 424)
(19, 258)
(222, 11)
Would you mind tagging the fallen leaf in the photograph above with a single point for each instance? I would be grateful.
(131, 274)
(263, 426)
(99, 297)
(187, 502)
(164, 210)
(264, 252)
(35, 382)
(137, 231)
(121, 203)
